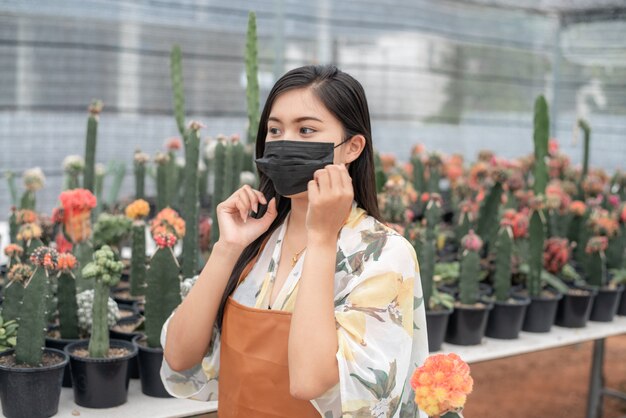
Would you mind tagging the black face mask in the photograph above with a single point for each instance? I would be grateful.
(291, 164)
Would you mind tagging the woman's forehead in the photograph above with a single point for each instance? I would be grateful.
(294, 105)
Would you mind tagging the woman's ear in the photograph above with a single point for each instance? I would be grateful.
(354, 148)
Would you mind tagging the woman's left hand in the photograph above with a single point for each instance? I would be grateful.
(330, 200)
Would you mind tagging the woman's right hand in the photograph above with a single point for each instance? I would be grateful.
(237, 229)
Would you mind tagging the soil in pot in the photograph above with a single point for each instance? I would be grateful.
(506, 319)
(467, 324)
(575, 307)
(606, 303)
(100, 382)
(150, 360)
(26, 391)
(436, 324)
(541, 312)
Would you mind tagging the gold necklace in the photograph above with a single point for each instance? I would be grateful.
(294, 259)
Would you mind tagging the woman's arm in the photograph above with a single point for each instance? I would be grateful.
(191, 327)
(313, 335)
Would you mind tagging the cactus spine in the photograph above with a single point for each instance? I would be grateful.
(191, 200)
(537, 237)
(252, 86)
(90, 146)
(33, 315)
(163, 292)
(470, 269)
(541, 136)
(106, 273)
(504, 249)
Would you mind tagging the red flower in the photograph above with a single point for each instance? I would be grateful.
(173, 144)
(63, 245)
(164, 240)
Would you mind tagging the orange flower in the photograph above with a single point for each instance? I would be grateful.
(26, 216)
(166, 221)
(13, 251)
(63, 245)
(66, 262)
(138, 209)
(578, 208)
(518, 221)
(28, 232)
(19, 273)
(173, 144)
(603, 223)
(556, 254)
(45, 257)
(596, 245)
(77, 205)
(442, 384)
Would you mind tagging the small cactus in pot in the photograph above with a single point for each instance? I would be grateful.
(106, 272)
(140, 159)
(504, 251)
(470, 269)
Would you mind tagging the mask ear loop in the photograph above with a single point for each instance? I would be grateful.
(341, 143)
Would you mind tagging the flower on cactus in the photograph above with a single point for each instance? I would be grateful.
(168, 220)
(73, 164)
(29, 231)
(556, 254)
(578, 208)
(45, 257)
(388, 162)
(602, 223)
(472, 242)
(173, 144)
(597, 244)
(442, 384)
(77, 205)
(100, 170)
(418, 149)
(622, 215)
(66, 262)
(556, 198)
(62, 244)
(470, 207)
(165, 239)
(518, 221)
(34, 179)
(19, 273)
(195, 125)
(95, 107)
(141, 157)
(613, 201)
(25, 216)
(553, 147)
(13, 251)
(453, 171)
(138, 209)
(161, 158)
(478, 174)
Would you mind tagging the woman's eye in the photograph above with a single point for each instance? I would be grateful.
(274, 131)
(306, 131)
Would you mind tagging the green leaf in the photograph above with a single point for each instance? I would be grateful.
(372, 387)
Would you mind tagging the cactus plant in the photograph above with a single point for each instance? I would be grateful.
(556, 254)
(252, 85)
(33, 315)
(10, 176)
(488, 215)
(118, 169)
(29, 235)
(17, 275)
(537, 236)
(14, 253)
(105, 271)
(137, 212)
(502, 274)
(66, 294)
(174, 177)
(541, 136)
(191, 200)
(140, 159)
(587, 138)
(34, 180)
(163, 292)
(434, 172)
(596, 263)
(90, 145)
(428, 250)
(161, 160)
(101, 173)
(418, 173)
(13, 225)
(381, 177)
(470, 269)
(110, 230)
(73, 166)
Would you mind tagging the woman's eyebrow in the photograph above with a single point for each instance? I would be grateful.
(300, 119)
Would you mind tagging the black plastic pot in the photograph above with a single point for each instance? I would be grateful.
(541, 313)
(150, 360)
(574, 309)
(605, 304)
(59, 344)
(436, 324)
(621, 310)
(506, 318)
(31, 392)
(100, 382)
(133, 365)
(467, 324)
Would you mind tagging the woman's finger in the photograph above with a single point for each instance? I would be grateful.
(252, 197)
(244, 198)
(242, 207)
(323, 180)
(261, 196)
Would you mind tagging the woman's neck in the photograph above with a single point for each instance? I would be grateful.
(297, 219)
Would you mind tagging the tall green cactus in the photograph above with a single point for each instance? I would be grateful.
(418, 173)
(105, 271)
(140, 160)
(13, 226)
(596, 269)
(163, 292)
(463, 226)
(488, 215)
(252, 86)
(10, 176)
(428, 251)
(469, 280)
(176, 73)
(66, 294)
(502, 275)
(381, 177)
(161, 161)
(90, 145)
(587, 139)
(33, 315)
(541, 136)
(191, 200)
(537, 237)
(138, 259)
(100, 174)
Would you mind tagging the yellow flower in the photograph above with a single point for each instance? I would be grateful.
(138, 209)
(351, 325)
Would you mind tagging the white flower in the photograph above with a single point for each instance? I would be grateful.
(209, 150)
(180, 161)
(141, 157)
(34, 179)
(247, 177)
(100, 169)
(73, 163)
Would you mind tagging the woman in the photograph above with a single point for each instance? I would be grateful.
(312, 308)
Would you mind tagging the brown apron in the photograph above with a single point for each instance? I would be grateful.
(254, 371)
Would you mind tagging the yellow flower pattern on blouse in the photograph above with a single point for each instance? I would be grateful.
(381, 324)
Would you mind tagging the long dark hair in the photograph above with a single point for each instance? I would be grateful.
(345, 98)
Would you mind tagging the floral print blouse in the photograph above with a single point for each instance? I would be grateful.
(381, 323)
